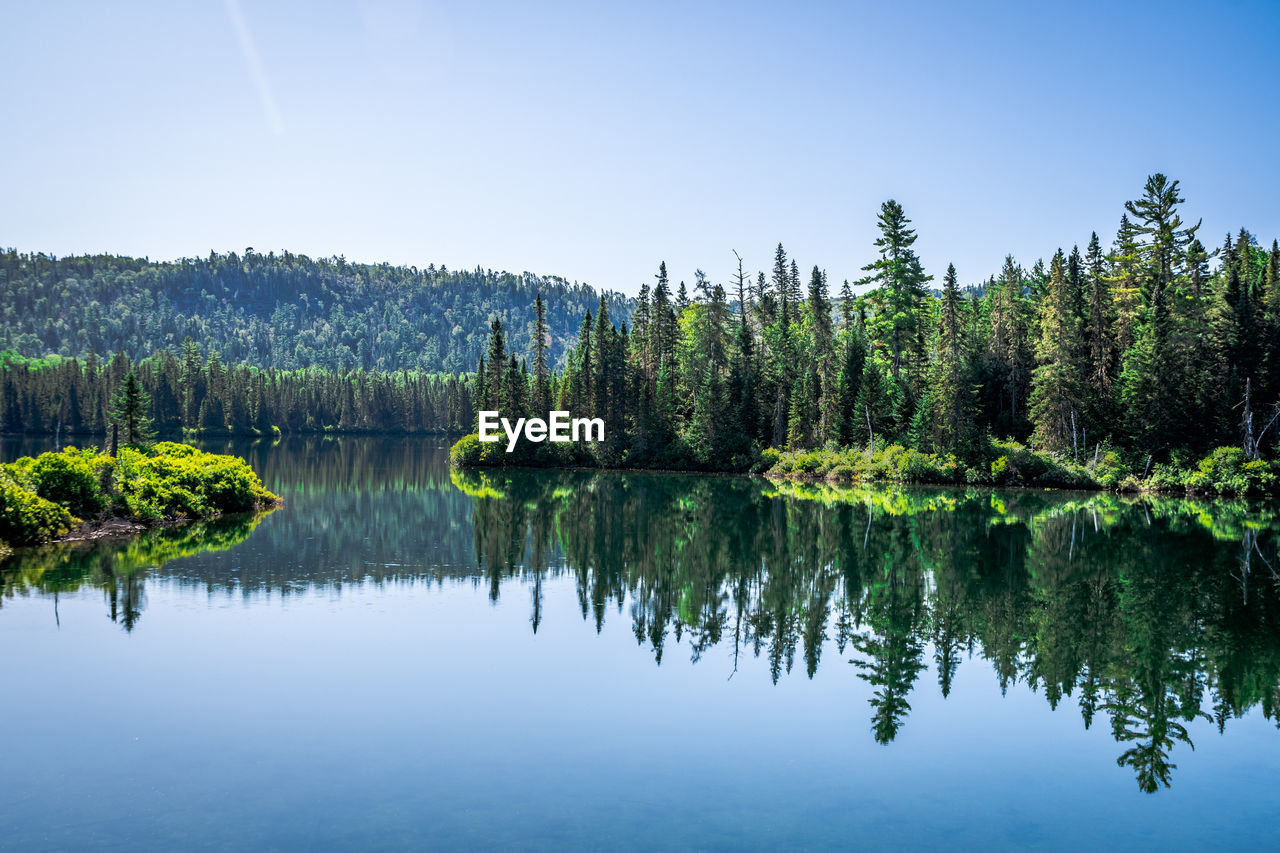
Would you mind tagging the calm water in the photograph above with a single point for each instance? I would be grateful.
(408, 656)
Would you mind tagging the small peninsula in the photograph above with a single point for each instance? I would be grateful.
(85, 493)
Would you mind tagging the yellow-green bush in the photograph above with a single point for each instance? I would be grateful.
(470, 450)
(1109, 470)
(176, 480)
(41, 498)
(26, 518)
(1018, 465)
(1223, 471)
(72, 478)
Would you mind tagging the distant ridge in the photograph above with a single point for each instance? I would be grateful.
(282, 310)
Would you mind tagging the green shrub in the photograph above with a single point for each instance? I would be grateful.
(1109, 471)
(808, 462)
(916, 467)
(1225, 471)
(1020, 466)
(466, 450)
(1165, 478)
(175, 480)
(784, 465)
(26, 518)
(73, 479)
(1016, 466)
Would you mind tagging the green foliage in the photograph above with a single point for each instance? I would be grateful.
(178, 481)
(42, 497)
(471, 451)
(192, 394)
(72, 478)
(1225, 471)
(129, 408)
(1017, 465)
(892, 464)
(1109, 471)
(26, 518)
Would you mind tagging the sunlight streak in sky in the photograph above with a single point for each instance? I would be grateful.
(255, 67)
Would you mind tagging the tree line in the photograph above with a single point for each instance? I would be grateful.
(187, 391)
(1155, 345)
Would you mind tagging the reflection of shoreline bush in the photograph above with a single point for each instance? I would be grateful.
(1008, 463)
(42, 498)
(66, 566)
(118, 567)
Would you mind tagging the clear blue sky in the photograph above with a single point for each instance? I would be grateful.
(593, 140)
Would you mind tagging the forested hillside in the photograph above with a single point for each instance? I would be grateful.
(285, 311)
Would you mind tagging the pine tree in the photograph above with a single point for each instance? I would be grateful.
(899, 273)
(951, 387)
(853, 355)
(874, 409)
(1008, 357)
(781, 277)
(541, 370)
(800, 420)
(1058, 386)
(130, 411)
(1270, 381)
(497, 358)
(1098, 336)
(1125, 264)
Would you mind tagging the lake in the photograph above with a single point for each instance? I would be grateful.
(404, 655)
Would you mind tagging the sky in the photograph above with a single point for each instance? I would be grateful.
(594, 140)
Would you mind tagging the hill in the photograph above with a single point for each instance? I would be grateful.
(286, 311)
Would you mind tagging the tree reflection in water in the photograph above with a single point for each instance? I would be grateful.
(1152, 610)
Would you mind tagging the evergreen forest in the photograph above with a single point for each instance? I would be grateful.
(1151, 348)
(1115, 361)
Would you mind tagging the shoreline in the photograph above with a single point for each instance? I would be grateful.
(819, 479)
(120, 528)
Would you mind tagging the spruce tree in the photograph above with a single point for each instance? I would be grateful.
(951, 387)
(494, 381)
(1098, 337)
(1008, 358)
(541, 370)
(899, 272)
(130, 411)
(1270, 380)
(1057, 394)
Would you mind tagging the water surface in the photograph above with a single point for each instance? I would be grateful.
(405, 655)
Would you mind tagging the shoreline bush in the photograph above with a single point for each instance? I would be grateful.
(44, 497)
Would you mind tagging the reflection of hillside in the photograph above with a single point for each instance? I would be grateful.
(313, 464)
(1154, 612)
(357, 511)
